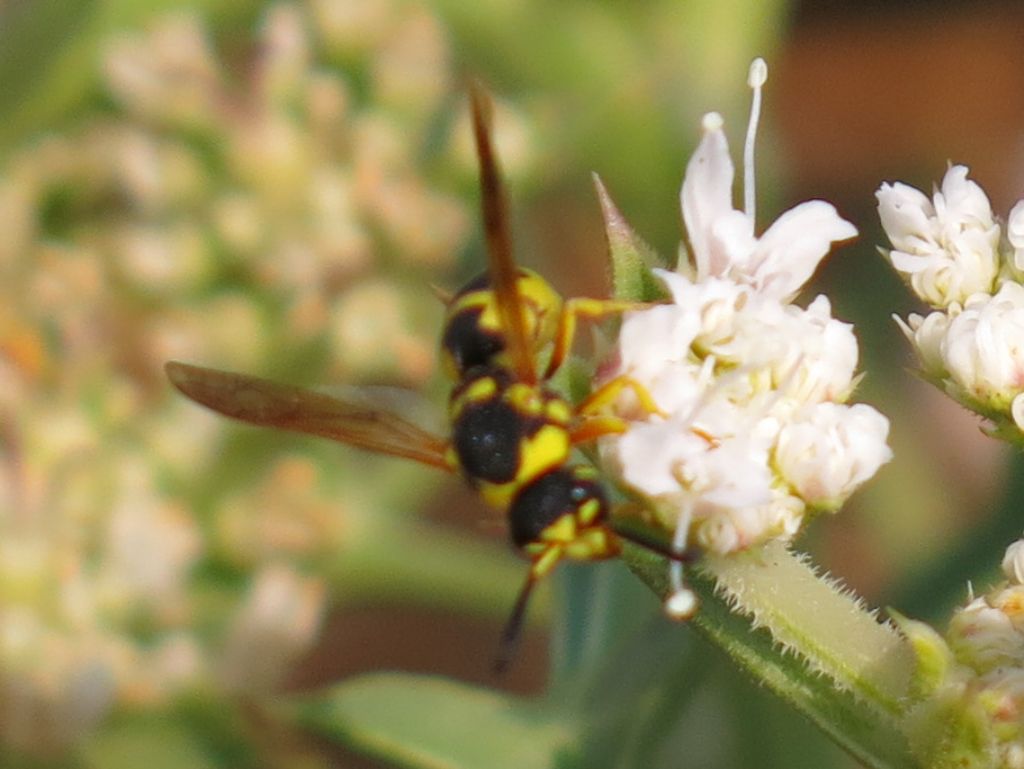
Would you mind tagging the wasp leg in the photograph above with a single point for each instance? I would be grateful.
(639, 534)
(513, 630)
(654, 544)
(591, 429)
(582, 307)
(544, 562)
(606, 394)
(594, 425)
(681, 602)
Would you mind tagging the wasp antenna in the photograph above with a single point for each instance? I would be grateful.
(513, 630)
(653, 544)
(481, 100)
(443, 294)
(503, 271)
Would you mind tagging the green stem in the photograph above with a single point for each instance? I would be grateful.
(813, 645)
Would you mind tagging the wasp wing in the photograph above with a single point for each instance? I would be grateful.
(269, 404)
(503, 271)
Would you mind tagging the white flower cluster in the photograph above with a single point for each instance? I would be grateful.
(978, 696)
(952, 252)
(755, 431)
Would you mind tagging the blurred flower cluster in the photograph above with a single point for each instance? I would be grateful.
(958, 259)
(971, 684)
(255, 210)
(755, 430)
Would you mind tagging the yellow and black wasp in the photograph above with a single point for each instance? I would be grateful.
(511, 434)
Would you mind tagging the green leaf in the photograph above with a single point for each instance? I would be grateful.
(639, 695)
(598, 608)
(632, 259)
(153, 741)
(419, 722)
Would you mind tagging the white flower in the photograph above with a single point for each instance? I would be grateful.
(977, 691)
(947, 246)
(278, 621)
(1015, 234)
(973, 347)
(1013, 562)
(983, 348)
(983, 637)
(1010, 601)
(1017, 410)
(778, 262)
(828, 450)
(739, 374)
(55, 686)
(926, 334)
(805, 352)
(711, 461)
(810, 355)
(150, 547)
(654, 345)
(732, 529)
(702, 453)
(704, 312)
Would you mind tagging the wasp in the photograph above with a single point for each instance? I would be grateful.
(512, 435)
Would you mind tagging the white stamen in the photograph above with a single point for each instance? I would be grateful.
(681, 605)
(682, 602)
(756, 78)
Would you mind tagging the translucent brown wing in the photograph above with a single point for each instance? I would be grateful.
(503, 271)
(262, 402)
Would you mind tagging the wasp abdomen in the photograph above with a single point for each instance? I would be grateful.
(487, 438)
(566, 497)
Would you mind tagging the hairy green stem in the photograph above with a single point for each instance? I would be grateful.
(813, 644)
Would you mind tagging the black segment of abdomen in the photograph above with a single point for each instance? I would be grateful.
(487, 439)
(468, 344)
(548, 498)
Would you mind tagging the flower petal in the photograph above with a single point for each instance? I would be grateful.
(906, 215)
(789, 252)
(963, 201)
(707, 190)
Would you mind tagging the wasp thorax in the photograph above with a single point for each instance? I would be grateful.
(473, 335)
